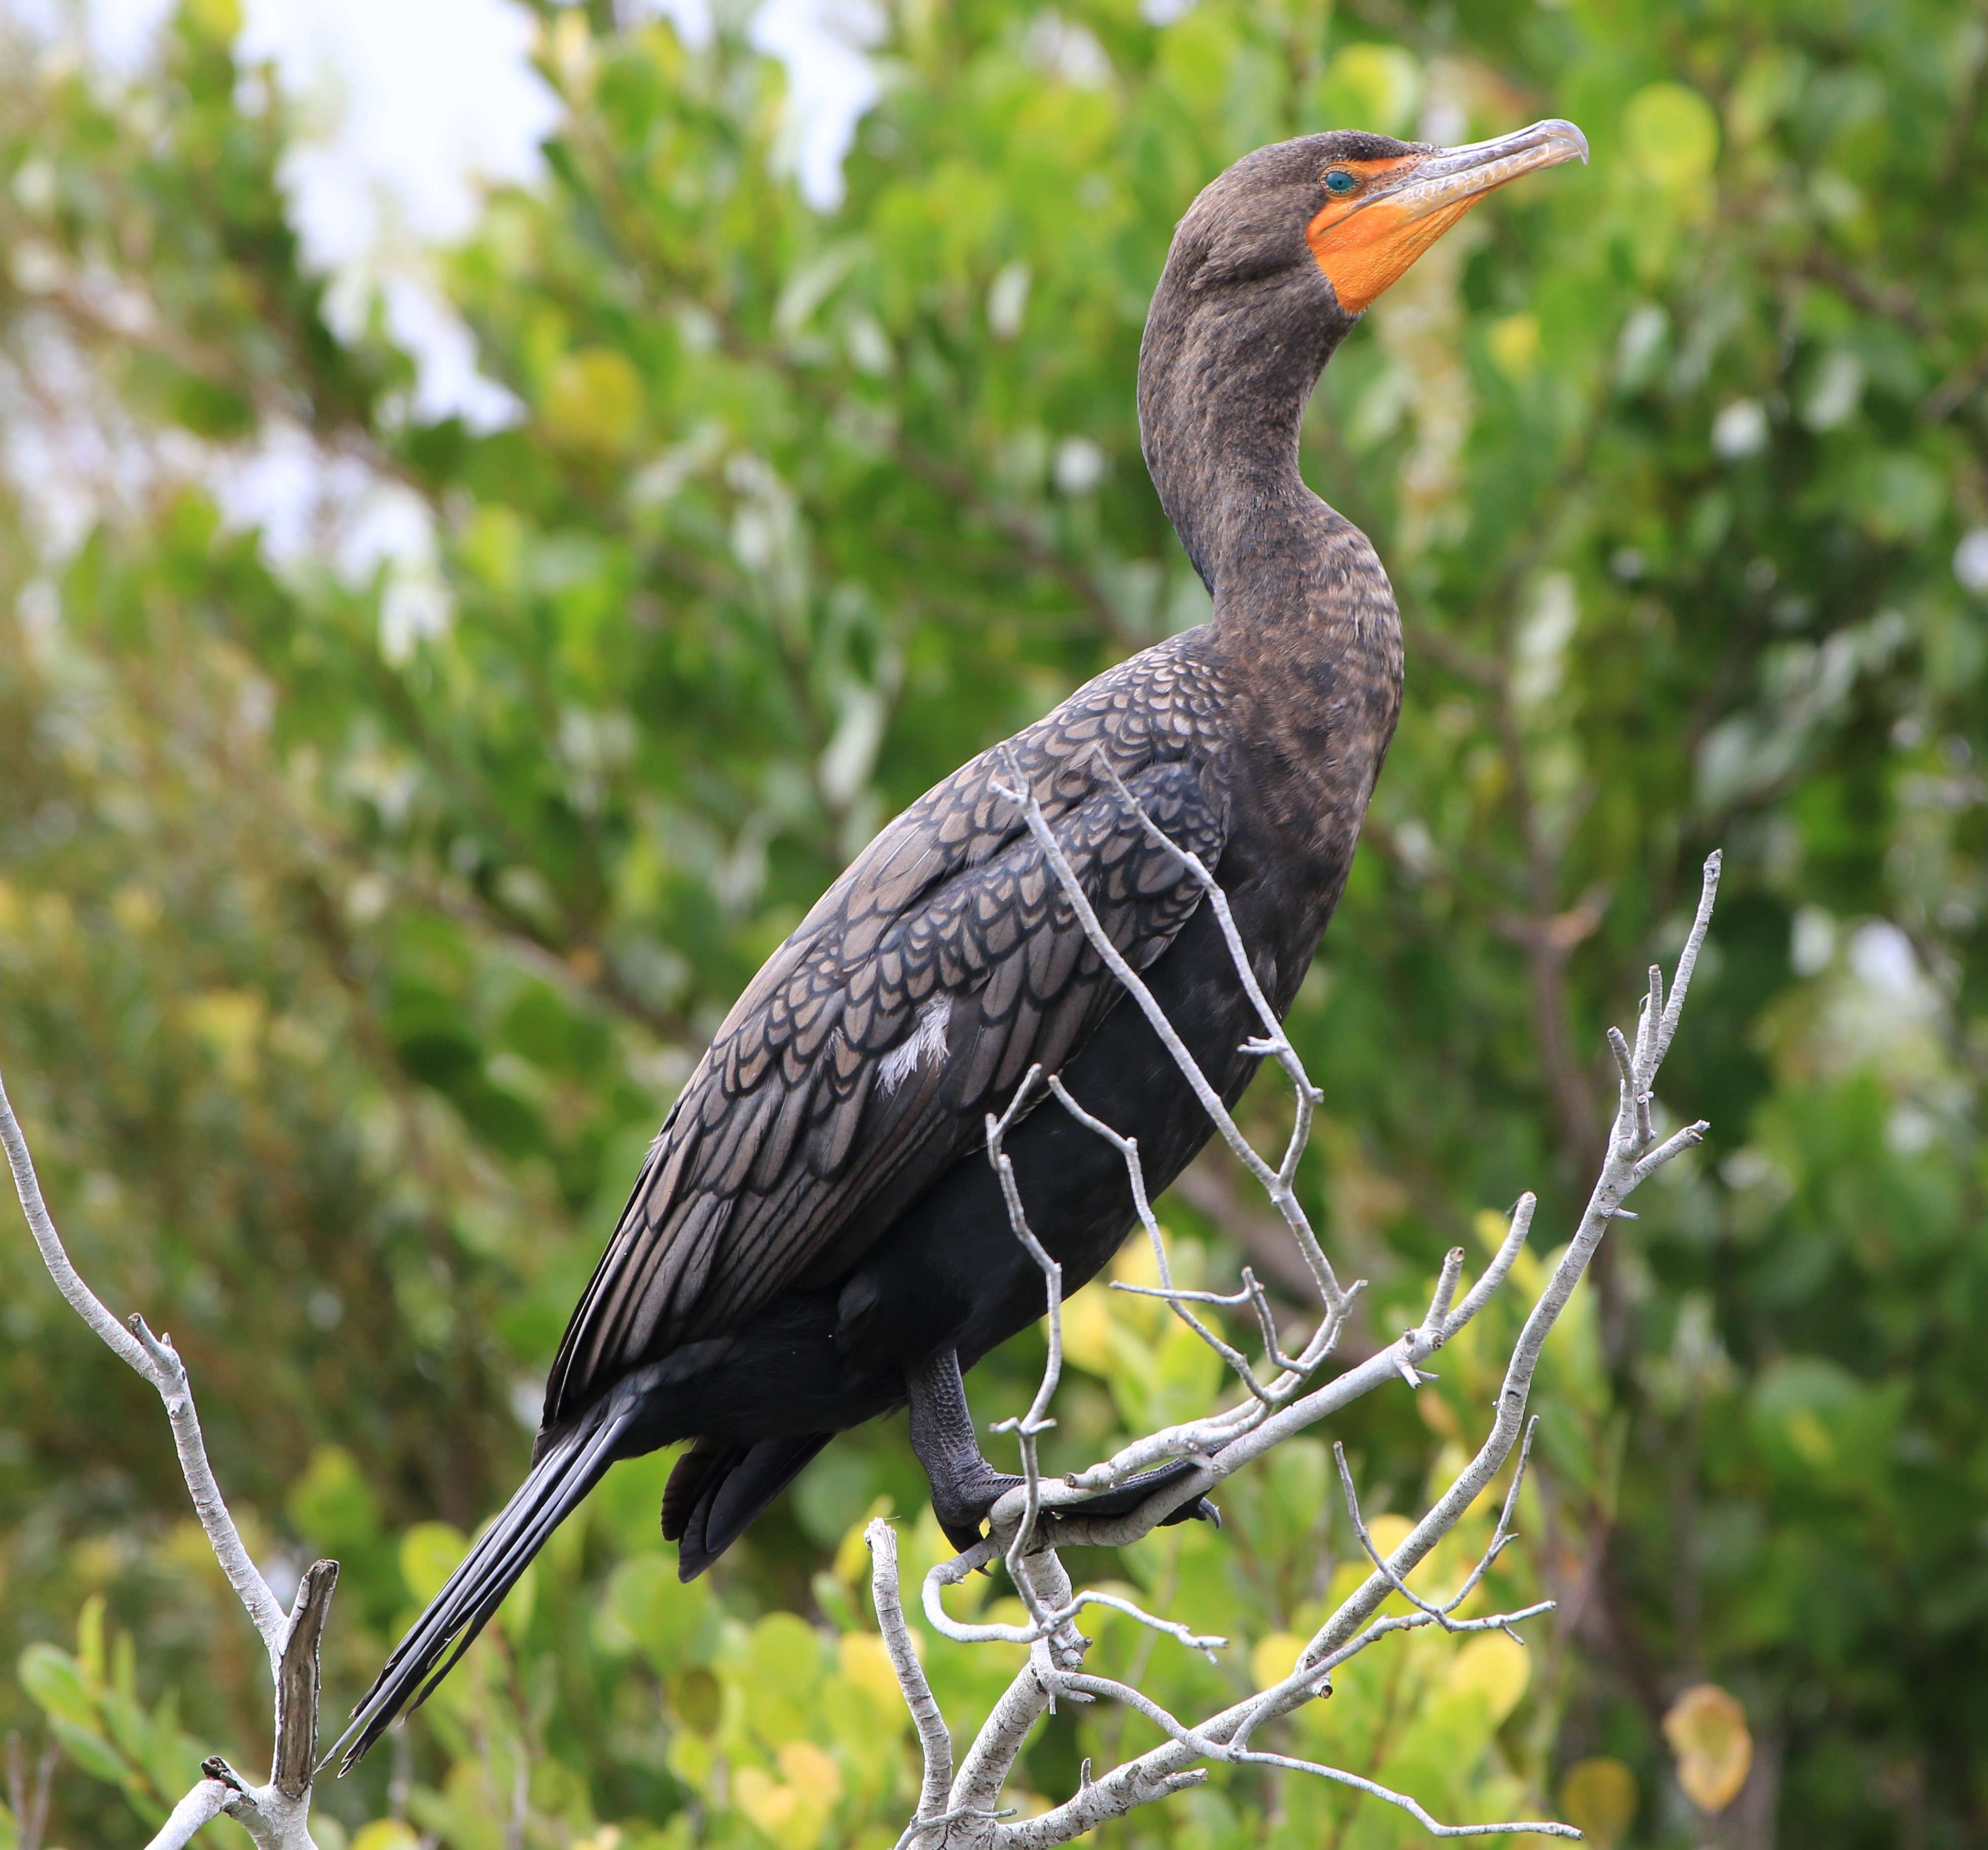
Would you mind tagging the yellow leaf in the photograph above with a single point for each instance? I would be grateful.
(1598, 1797)
(692, 1758)
(230, 1021)
(852, 1554)
(1492, 1667)
(1673, 135)
(1514, 342)
(1388, 1532)
(1810, 1437)
(1706, 1728)
(570, 50)
(592, 402)
(90, 1640)
(812, 1772)
(1346, 1580)
(764, 1800)
(794, 1811)
(866, 1663)
(1134, 1264)
(1275, 1658)
(1490, 1227)
(1439, 1416)
(1087, 1331)
(136, 909)
(220, 20)
(386, 1834)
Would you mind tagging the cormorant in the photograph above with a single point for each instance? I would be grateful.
(816, 1236)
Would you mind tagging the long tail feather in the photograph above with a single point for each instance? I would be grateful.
(568, 1467)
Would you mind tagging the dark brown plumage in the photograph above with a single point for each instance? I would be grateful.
(816, 1236)
(856, 1065)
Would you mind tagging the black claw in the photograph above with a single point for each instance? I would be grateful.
(967, 1508)
(1200, 1510)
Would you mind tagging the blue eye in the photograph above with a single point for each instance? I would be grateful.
(1337, 180)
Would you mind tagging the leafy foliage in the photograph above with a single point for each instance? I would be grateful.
(358, 919)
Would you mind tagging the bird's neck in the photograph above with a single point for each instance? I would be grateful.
(1304, 617)
(1223, 389)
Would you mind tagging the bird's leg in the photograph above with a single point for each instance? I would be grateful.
(965, 1487)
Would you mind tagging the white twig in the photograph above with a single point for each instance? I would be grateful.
(1128, 1149)
(1233, 1754)
(1275, 1183)
(1223, 1442)
(154, 1358)
(1028, 1697)
(1479, 1294)
(1036, 1421)
(1439, 1611)
(1687, 963)
(1375, 1790)
(934, 1741)
(1054, 1618)
(920, 1829)
(192, 1815)
(276, 1815)
(1415, 1621)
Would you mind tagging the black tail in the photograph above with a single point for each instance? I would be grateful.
(570, 1464)
(715, 1490)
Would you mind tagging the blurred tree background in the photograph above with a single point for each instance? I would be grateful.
(357, 921)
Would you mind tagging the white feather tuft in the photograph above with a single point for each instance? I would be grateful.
(926, 1039)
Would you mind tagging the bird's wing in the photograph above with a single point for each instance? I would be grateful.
(859, 1061)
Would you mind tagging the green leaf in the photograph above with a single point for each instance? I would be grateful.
(430, 1553)
(55, 1679)
(1673, 135)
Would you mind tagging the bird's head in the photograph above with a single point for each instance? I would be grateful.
(1269, 268)
(1356, 209)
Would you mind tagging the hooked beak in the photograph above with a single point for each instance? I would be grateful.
(1461, 176)
(1367, 241)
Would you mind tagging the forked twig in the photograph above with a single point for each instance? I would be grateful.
(277, 1815)
(1270, 1412)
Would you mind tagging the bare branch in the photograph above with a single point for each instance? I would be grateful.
(1439, 1611)
(1224, 1442)
(1054, 1617)
(1479, 1294)
(276, 1816)
(1043, 1831)
(1408, 1804)
(1027, 1697)
(297, 1683)
(1275, 1183)
(193, 1815)
(155, 1358)
(1675, 1145)
(934, 1741)
(1414, 1621)
(1128, 1149)
(29, 1800)
(1687, 959)
(1036, 1421)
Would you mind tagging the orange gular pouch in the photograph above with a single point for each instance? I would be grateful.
(1365, 249)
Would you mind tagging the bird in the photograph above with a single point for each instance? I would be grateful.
(815, 1237)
